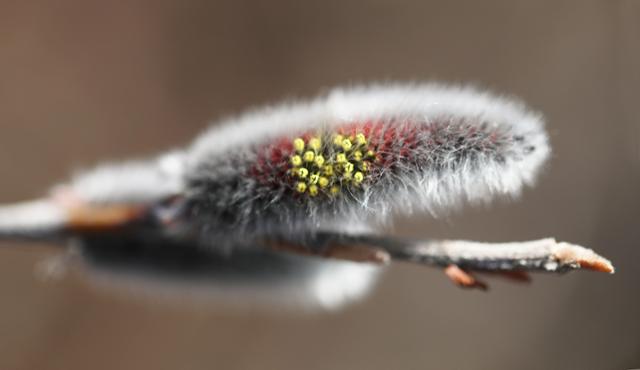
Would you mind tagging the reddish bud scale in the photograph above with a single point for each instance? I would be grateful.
(272, 161)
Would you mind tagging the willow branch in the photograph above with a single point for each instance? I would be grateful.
(537, 255)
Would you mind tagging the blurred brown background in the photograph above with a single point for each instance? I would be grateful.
(82, 82)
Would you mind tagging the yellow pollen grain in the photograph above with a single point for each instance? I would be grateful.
(328, 170)
(347, 175)
(337, 140)
(301, 187)
(346, 144)
(319, 160)
(364, 166)
(358, 177)
(334, 190)
(313, 190)
(348, 167)
(303, 172)
(298, 144)
(357, 156)
(315, 143)
(370, 154)
(296, 160)
(313, 179)
(361, 139)
(323, 182)
(341, 158)
(308, 156)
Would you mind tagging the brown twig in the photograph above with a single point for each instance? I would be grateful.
(458, 257)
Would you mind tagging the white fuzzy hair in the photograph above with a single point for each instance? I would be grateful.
(141, 181)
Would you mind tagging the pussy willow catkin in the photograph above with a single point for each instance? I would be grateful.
(361, 154)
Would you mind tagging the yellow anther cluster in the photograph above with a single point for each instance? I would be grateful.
(327, 168)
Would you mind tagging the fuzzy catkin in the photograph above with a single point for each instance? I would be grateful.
(434, 147)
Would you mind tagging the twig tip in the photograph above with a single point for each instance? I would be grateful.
(570, 254)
